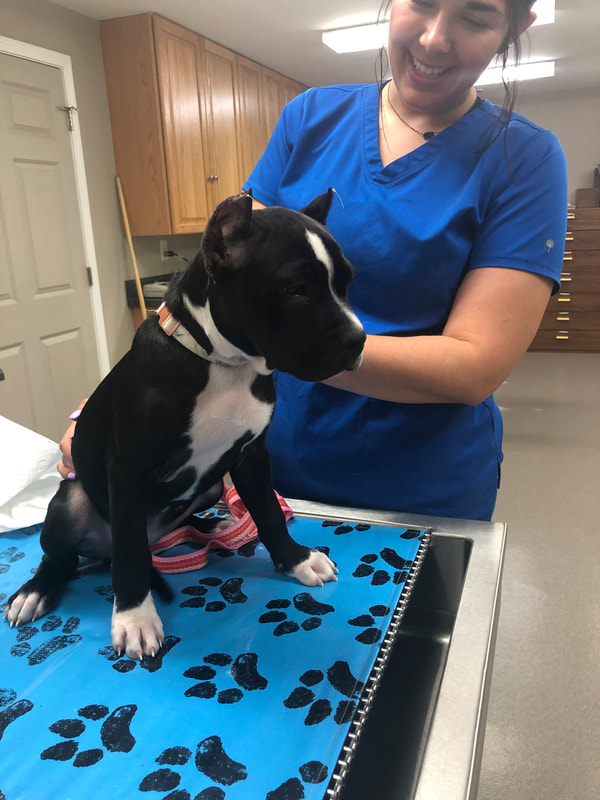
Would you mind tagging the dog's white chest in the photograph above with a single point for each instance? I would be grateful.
(224, 412)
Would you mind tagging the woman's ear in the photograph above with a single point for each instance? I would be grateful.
(522, 28)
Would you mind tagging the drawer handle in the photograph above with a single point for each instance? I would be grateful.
(563, 318)
(571, 215)
(565, 277)
(569, 238)
(562, 335)
(565, 299)
(567, 258)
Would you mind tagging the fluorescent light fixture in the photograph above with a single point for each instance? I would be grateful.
(526, 71)
(374, 36)
(353, 40)
(545, 10)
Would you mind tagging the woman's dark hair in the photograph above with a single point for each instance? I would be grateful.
(518, 14)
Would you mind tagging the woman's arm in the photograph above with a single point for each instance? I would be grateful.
(495, 316)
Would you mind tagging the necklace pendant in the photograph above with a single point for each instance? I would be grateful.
(428, 135)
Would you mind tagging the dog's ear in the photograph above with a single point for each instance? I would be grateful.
(319, 208)
(229, 225)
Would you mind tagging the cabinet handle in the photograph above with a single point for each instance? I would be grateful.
(563, 318)
(565, 277)
(571, 215)
(213, 177)
(567, 257)
(562, 335)
(565, 298)
(569, 237)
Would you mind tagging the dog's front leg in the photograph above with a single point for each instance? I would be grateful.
(136, 627)
(254, 482)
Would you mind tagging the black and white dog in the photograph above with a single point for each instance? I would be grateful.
(192, 400)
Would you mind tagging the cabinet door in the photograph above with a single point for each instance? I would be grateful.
(179, 56)
(132, 84)
(272, 101)
(224, 174)
(252, 138)
(289, 89)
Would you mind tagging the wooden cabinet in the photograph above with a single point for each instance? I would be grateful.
(180, 64)
(189, 120)
(261, 95)
(572, 320)
(225, 177)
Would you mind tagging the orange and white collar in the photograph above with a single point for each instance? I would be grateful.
(173, 327)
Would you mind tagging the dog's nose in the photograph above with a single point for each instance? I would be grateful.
(353, 339)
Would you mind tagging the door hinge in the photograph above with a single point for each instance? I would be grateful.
(90, 278)
(69, 110)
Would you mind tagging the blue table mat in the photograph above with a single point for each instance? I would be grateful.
(251, 697)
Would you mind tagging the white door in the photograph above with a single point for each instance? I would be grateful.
(48, 347)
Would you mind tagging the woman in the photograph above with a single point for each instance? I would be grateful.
(453, 213)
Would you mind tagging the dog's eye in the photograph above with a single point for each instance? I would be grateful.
(297, 289)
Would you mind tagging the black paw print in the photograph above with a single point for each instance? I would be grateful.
(312, 772)
(342, 528)
(210, 759)
(371, 634)
(11, 708)
(341, 679)
(230, 591)
(244, 672)
(149, 663)
(400, 566)
(303, 602)
(9, 557)
(115, 735)
(29, 633)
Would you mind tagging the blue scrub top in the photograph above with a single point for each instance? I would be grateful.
(411, 230)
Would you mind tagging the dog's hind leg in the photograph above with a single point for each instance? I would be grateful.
(65, 526)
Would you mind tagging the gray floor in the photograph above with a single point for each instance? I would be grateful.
(543, 731)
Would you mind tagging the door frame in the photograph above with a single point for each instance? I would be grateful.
(30, 52)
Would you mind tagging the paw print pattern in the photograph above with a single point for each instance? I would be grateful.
(9, 557)
(11, 708)
(115, 735)
(230, 591)
(371, 634)
(210, 759)
(367, 567)
(342, 528)
(29, 635)
(149, 663)
(305, 603)
(244, 672)
(312, 772)
(341, 679)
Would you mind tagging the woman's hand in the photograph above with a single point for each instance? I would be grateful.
(65, 467)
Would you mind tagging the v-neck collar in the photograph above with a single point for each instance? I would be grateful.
(410, 162)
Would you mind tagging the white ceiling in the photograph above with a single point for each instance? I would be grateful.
(286, 36)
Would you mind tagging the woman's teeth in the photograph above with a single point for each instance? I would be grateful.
(429, 72)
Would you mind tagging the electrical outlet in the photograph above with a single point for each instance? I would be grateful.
(164, 249)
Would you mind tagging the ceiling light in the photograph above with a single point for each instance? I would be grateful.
(374, 36)
(353, 40)
(526, 71)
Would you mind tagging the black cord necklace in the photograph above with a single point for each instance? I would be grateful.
(427, 135)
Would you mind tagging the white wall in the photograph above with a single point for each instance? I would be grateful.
(575, 119)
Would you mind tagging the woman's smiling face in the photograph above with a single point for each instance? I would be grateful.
(439, 48)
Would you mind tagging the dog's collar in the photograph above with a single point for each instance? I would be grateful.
(172, 327)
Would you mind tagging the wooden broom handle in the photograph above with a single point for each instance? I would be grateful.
(136, 274)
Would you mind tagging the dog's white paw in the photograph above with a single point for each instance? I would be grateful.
(26, 607)
(137, 631)
(316, 570)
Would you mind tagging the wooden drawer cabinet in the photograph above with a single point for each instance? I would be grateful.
(572, 320)
(188, 122)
